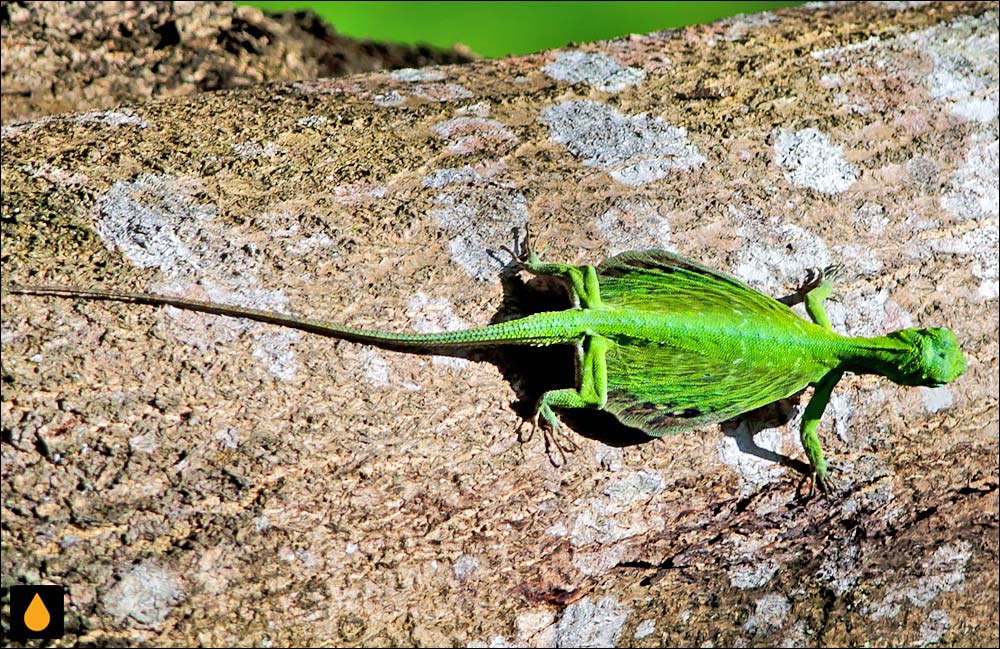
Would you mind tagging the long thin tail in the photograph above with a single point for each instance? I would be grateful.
(532, 330)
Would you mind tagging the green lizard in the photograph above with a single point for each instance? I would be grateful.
(663, 343)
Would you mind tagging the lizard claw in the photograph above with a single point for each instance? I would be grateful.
(558, 440)
(522, 254)
(826, 484)
(557, 443)
(816, 277)
(524, 439)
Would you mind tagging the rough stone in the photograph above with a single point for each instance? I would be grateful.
(294, 490)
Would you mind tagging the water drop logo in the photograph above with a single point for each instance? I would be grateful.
(37, 617)
(36, 612)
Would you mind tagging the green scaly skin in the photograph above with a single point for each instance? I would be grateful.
(663, 343)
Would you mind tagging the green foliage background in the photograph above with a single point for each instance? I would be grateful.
(494, 29)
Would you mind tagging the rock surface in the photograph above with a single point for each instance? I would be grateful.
(75, 56)
(192, 479)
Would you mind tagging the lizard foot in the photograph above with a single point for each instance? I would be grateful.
(815, 278)
(557, 441)
(523, 253)
(824, 482)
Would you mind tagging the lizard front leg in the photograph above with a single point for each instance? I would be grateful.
(581, 280)
(810, 424)
(817, 288)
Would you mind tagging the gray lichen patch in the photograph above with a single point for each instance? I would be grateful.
(591, 624)
(472, 134)
(965, 53)
(476, 213)
(769, 614)
(633, 149)
(124, 117)
(944, 572)
(813, 161)
(144, 595)
(596, 70)
(633, 224)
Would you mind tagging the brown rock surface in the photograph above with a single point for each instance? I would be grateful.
(192, 479)
(63, 56)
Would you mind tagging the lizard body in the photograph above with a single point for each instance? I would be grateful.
(664, 343)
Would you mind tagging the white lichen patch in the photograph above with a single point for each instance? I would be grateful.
(864, 259)
(633, 149)
(965, 73)
(227, 437)
(813, 161)
(609, 518)
(144, 596)
(867, 314)
(610, 458)
(123, 117)
(473, 134)
(285, 227)
(155, 222)
(389, 99)
(769, 614)
(596, 70)
(585, 623)
(377, 372)
(257, 150)
(933, 628)
(737, 27)
(644, 628)
(476, 214)
(840, 569)
(536, 628)
(777, 254)
(478, 109)
(310, 244)
(440, 92)
(312, 121)
(754, 574)
(900, 5)
(451, 176)
(274, 350)
(634, 487)
(145, 443)
(942, 573)
(598, 562)
(358, 193)
(974, 188)
(839, 410)
(836, 53)
(981, 244)
(962, 73)
(871, 216)
(754, 471)
(414, 75)
(434, 315)
(464, 566)
(937, 399)
(56, 175)
(633, 224)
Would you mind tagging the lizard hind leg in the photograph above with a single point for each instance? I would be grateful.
(592, 393)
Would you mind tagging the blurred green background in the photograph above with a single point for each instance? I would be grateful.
(494, 29)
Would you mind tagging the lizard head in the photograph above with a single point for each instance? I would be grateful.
(933, 357)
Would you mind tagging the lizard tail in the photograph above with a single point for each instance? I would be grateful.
(535, 329)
